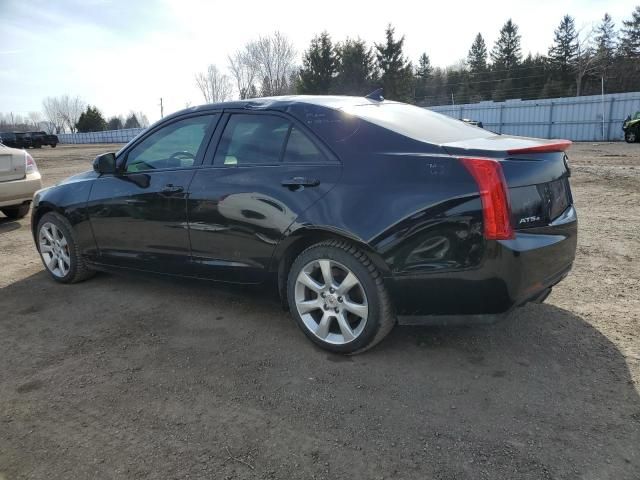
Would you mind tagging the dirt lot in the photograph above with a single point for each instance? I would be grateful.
(136, 377)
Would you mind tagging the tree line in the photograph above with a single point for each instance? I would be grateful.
(70, 114)
(580, 61)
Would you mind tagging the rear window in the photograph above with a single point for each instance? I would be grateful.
(417, 123)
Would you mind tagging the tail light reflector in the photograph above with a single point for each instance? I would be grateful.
(31, 166)
(494, 194)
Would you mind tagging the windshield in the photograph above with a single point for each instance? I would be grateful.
(416, 122)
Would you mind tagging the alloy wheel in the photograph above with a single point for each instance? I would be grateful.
(54, 249)
(331, 301)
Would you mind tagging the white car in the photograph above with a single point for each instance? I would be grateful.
(19, 180)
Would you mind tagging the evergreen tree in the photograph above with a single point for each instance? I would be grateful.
(396, 71)
(605, 44)
(424, 69)
(564, 50)
(132, 121)
(91, 120)
(114, 123)
(318, 66)
(506, 53)
(422, 76)
(477, 57)
(356, 69)
(630, 35)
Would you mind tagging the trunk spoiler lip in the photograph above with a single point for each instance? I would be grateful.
(552, 146)
(506, 144)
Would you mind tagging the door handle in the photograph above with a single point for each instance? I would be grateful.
(171, 188)
(297, 182)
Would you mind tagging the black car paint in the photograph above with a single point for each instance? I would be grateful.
(410, 205)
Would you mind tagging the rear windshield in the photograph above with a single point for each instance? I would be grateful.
(417, 123)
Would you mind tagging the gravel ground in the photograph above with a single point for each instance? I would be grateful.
(139, 377)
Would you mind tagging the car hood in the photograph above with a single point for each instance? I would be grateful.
(88, 175)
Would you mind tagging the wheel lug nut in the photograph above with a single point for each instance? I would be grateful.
(340, 299)
(323, 294)
(331, 290)
(337, 310)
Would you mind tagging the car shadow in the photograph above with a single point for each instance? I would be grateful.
(8, 225)
(543, 394)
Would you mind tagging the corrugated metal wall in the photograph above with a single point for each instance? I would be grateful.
(108, 136)
(573, 118)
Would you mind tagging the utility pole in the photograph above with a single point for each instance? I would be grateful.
(161, 109)
(602, 90)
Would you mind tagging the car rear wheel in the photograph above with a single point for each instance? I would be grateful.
(338, 299)
(16, 212)
(631, 136)
(59, 250)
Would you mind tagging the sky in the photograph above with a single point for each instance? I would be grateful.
(124, 56)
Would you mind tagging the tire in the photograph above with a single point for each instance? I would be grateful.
(16, 212)
(62, 261)
(631, 136)
(54, 145)
(347, 317)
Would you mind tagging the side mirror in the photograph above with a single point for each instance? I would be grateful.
(105, 163)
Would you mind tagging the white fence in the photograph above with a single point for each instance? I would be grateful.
(107, 136)
(589, 118)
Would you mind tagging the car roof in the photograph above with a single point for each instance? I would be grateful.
(336, 102)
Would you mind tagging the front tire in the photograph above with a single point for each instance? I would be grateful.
(338, 299)
(16, 212)
(59, 250)
(631, 136)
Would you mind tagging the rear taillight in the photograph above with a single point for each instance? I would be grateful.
(494, 194)
(31, 166)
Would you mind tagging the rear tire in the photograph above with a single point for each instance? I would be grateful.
(53, 146)
(631, 136)
(348, 312)
(59, 250)
(16, 212)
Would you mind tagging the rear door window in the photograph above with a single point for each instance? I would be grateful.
(300, 149)
(252, 140)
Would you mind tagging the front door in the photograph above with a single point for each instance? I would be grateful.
(267, 170)
(139, 215)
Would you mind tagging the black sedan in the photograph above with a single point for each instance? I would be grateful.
(365, 212)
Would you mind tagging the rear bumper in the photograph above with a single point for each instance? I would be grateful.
(512, 273)
(19, 191)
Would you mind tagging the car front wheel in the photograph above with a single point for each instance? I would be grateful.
(59, 250)
(338, 299)
(631, 136)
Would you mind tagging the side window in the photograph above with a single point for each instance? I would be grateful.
(173, 146)
(252, 139)
(300, 149)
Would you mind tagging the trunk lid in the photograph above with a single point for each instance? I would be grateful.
(12, 164)
(536, 172)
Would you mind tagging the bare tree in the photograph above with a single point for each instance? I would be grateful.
(273, 57)
(35, 118)
(214, 85)
(63, 112)
(71, 109)
(244, 70)
(53, 115)
(586, 60)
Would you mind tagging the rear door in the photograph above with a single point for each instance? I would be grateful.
(266, 171)
(139, 215)
(12, 164)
